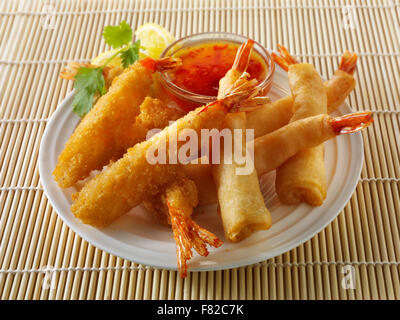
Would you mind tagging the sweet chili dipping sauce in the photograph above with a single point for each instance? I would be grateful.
(203, 65)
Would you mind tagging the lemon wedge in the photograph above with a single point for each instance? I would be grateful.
(115, 62)
(154, 38)
(104, 56)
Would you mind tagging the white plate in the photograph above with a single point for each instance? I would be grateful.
(139, 238)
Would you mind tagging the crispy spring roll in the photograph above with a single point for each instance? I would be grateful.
(303, 177)
(241, 203)
(275, 115)
(201, 175)
(242, 212)
(338, 88)
(294, 184)
(273, 149)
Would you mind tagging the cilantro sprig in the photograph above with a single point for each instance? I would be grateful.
(118, 36)
(90, 81)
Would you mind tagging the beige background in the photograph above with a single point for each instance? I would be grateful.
(34, 46)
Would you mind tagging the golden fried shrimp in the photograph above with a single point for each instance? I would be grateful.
(284, 59)
(175, 207)
(303, 177)
(184, 193)
(275, 115)
(202, 177)
(131, 179)
(102, 133)
(154, 114)
(348, 63)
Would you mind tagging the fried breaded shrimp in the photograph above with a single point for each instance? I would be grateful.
(184, 193)
(201, 175)
(188, 234)
(154, 113)
(102, 134)
(130, 180)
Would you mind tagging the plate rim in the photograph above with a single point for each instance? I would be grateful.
(44, 173)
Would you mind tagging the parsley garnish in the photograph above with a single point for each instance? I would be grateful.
(118, 36)
(131, 54)
(89, 81)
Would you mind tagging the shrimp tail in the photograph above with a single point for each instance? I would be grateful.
(238, 69)
(348, 62)
(251, 104)
(163, 64)
(284, 59)
(189, 235)
(240, 92)
(168, 63)
(351, 122)
(243, 54)
(70, 71)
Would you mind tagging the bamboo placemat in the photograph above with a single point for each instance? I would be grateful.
(41, 258)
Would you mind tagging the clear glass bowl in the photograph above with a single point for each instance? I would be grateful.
(189, 100)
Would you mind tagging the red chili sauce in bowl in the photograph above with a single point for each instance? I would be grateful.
(204, 65)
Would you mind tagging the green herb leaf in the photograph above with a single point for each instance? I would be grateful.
(82, 103)
(131, 54)
(88, 81)
(117, 36)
